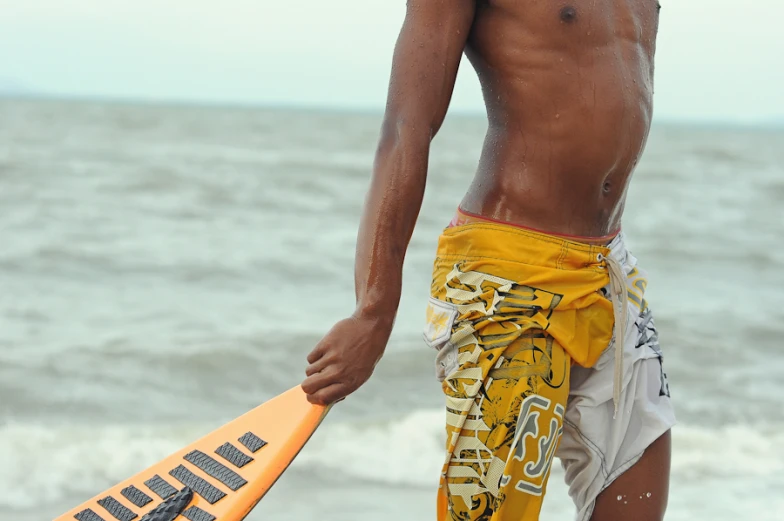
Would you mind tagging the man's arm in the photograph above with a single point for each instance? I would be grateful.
(424, 68)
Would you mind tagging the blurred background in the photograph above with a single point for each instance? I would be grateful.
(180, 189)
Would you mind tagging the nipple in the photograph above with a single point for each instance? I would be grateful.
(568, 14)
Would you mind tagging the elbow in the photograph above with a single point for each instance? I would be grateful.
(405, 131)
(403, 149)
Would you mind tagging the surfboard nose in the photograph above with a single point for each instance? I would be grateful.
(224, 474)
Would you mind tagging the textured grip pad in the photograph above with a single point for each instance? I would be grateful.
(197, 514)
(160, 486)
(233, 455)
(117, 509)
(217, 470)
(88, 515)
(253, 442)
(136, 496)
(199, 485)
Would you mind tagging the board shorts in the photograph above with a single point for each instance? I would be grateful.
(524, 324)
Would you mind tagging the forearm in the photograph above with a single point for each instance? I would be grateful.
(391, 209)
(424, 68)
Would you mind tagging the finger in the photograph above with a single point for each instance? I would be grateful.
(318, 352)
(318, 366)
(313, 384)
(330, 394)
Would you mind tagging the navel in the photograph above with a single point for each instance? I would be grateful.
(568, 14)
(607, 187)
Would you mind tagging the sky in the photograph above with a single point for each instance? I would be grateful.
(717, 60)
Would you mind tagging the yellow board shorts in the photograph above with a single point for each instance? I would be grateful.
(513, 313)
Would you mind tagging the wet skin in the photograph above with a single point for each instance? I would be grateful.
(568, 88)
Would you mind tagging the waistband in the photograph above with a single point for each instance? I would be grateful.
(463, 217)
(482, 238)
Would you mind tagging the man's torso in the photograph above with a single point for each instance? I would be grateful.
(568, 88)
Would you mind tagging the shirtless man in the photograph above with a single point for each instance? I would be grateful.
(532, 283)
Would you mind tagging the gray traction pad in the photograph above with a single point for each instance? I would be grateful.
(199, 485)
(136, 496)
(160, 486)
(233, 455)
(252, 442)
(217, 470)
(117, 509)
(197, 514)
(88, 515)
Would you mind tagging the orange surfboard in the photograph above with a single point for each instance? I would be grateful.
(220, 477)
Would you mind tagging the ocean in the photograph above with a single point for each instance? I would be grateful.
(164, 269)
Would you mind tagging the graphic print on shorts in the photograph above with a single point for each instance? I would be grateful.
(505, 396)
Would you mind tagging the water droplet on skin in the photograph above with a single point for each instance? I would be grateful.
(620, 498)
(648, 494)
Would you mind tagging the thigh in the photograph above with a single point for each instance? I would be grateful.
(602, 453)
(641, 492)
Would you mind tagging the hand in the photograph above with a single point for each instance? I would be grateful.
(345, 358)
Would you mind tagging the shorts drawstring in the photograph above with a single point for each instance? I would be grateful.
(620, 300)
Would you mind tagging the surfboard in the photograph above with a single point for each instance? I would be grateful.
(220, 477)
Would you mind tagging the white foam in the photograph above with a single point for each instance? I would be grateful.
(409, 451)
(50, 463)
(731, 451)
(41, 464)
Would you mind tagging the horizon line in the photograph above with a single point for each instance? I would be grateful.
(772, 123)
